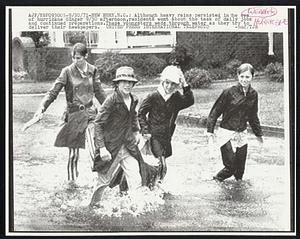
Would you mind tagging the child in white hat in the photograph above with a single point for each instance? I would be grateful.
(159, 110)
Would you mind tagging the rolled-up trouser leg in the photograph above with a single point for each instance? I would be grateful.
(131, 170)
(228, 157)
(240, 155)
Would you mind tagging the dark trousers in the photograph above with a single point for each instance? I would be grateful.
(234, 162)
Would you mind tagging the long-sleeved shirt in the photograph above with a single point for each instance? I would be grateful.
(115, 126)
(115, 123)
(157, 116)
(79, 87)
(236, 109)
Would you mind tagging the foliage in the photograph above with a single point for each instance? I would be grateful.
(148, 65)
(198, 78)
(145, 65)
(219, 74)
(75, 37)
(232, 66)
(214, 61)
(20, 76)
(108, 63)
(181, 56)
(41, 39)
(274, 71)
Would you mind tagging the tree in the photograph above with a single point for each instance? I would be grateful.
(75, 37)
(41, 39)
(180, 56)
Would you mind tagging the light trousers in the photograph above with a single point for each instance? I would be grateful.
(130, 168)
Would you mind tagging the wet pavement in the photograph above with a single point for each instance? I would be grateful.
(188, 200)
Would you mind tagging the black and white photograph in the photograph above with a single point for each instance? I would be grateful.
(150, 120)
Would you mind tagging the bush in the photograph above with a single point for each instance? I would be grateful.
(108, 63)
(20, 76)
(219, 74)
(52, 74)
(198, 78)
(274, 72)
(75, 37)
(144, 65)
(232, 67)
(214, 61)
(181, 56)
(40, 38)
(148, 65)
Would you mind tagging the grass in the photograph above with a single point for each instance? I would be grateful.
(42, 87)
(271, 97)
(270, 100)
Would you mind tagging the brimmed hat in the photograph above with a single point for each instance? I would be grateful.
(172, 73)
(125, 73)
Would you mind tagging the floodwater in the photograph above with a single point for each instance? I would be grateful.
(188, 199)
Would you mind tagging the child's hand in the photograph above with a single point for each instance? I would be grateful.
(39, 113)
(136, 138)
(147, 136)
(183, 81)
(210, 137)
(105, 154)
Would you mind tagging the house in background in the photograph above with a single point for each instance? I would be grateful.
(207, 49)
(128, 42)
(125, 42)
(44, 61)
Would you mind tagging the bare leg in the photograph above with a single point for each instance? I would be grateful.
(69, 164)
(72, 164)
(76, 161)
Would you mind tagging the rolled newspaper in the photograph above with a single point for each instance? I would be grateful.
(31, 122)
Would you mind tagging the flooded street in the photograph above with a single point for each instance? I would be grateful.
(188, 200)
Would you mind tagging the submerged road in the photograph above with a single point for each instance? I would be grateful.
(44, 201)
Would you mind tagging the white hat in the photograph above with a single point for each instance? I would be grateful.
(125, 73)
(172, 73)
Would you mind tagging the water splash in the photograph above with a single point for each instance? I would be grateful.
(135, 203)
(69, 196)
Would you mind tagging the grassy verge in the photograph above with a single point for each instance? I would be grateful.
(42, 87)
(270, 100)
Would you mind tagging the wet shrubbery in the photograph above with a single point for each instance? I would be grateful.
(143, 64)
(198, 78)
(20, 76)
(232, 66)
(107, 64)
(180, 56)
(274, 71)
(148, 65)
(224, 72)
(219, 74)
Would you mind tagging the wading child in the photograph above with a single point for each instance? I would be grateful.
(81, 84)
(159, 110)
(237, 105)
(118, 158)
